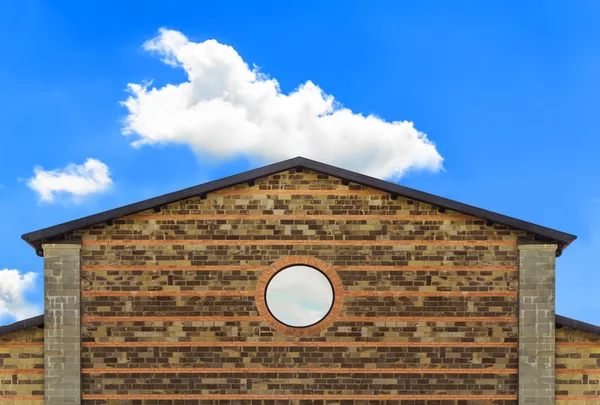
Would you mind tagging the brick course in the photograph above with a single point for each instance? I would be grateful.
(22, 367)
(577, 367)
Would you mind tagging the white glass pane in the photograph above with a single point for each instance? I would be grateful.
(299, 296)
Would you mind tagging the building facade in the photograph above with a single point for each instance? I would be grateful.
(166, 301)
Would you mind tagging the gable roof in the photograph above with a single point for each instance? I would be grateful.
(575, 324)
(57, 232)
(24, 324)
(559, 320)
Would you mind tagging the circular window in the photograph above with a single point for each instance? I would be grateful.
(299, 295)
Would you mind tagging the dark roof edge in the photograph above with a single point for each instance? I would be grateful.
(563, 239)
(560, 320)
(57, 230)
(34, 238)
(24, 324)
(575, 324)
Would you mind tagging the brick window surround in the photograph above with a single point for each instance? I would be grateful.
(326, 269)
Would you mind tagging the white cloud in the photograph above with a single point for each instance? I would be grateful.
(75, 180)
(226, 109)
(13, 285)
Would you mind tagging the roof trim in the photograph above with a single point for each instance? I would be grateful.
(575, 324)
(35, 238)
(24, 324)
(559, 320)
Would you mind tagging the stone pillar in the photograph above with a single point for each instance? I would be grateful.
(62, 338)
(536, 323)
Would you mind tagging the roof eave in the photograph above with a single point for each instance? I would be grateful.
(575, 324)
(24, 324)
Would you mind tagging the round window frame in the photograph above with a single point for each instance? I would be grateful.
(304, 326)
(287, 262)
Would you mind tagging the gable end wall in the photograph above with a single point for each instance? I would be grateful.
(425, 292)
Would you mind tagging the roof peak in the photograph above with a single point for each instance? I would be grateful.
(57, 232)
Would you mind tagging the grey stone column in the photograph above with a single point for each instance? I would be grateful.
(536, 323)
(62, 338)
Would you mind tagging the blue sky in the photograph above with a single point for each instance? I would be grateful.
(508, 92)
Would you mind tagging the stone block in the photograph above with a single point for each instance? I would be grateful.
(536, 324)
(62, 336)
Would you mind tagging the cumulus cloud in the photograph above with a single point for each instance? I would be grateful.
(227, 109)
(13, 285)
(74, 180)
(299, 296)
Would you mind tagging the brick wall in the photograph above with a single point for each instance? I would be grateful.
(429, 315)
(577, 367)
(22, 367)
